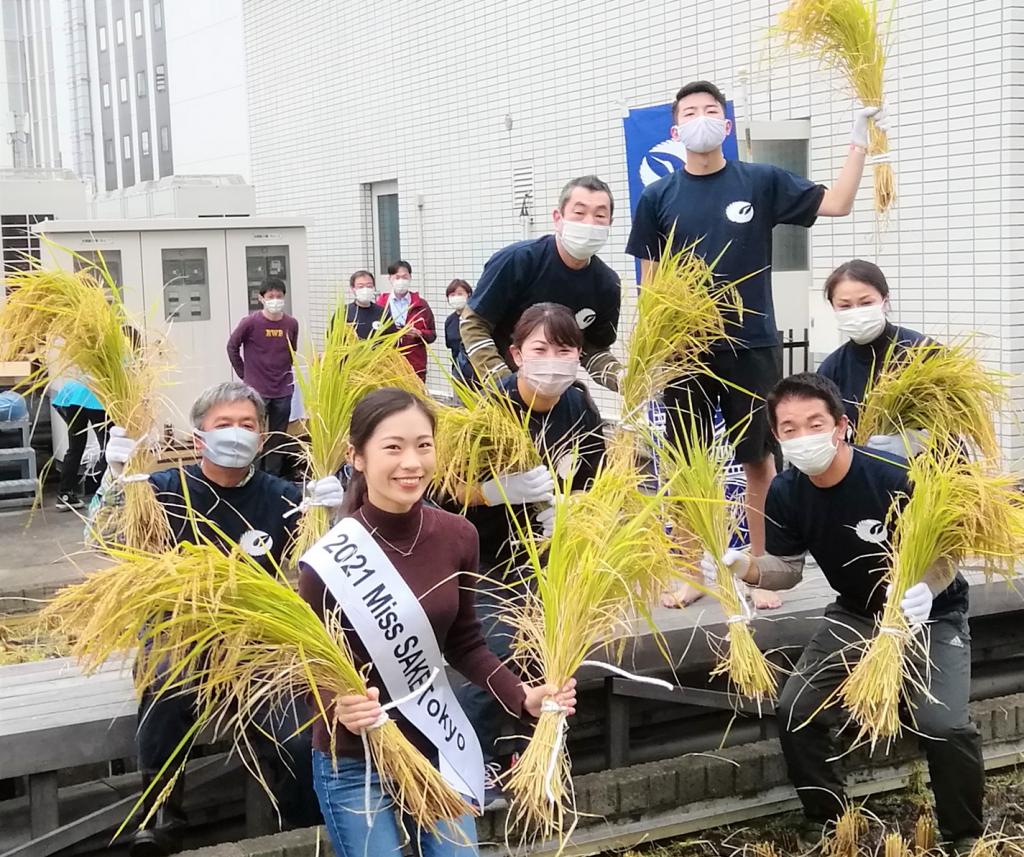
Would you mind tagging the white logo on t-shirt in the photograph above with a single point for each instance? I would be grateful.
(871, 531)
(585, 317)
(375, 325)
(740, 211)
(256, 542)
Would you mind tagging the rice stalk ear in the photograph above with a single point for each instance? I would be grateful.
(846, 36)
(486, 437)
(67, 320)
(331, 381)
(944, 390)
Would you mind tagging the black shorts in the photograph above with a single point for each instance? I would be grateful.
(756, 371)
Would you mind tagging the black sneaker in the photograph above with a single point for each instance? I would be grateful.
(494, 794)
(67, 502)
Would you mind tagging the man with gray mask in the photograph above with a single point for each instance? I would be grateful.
(836, 503)
(562, 268)
(731, 208)
(223, 499)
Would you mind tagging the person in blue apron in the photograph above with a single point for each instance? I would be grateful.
(425, 560)
(81, 410)
(229, 502)
(859, 294)
(545, 345)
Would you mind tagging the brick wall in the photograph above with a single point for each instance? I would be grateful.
(342, 95)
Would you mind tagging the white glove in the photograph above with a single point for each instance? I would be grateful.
(861, 123)
(119, 449)
(533, 486)
(917, 603)
(545, 519)
(738, 562)
(326, 492)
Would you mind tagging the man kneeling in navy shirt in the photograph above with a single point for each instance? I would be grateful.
(223, 499)
(834, 503)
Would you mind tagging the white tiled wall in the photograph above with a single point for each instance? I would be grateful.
(342, 94)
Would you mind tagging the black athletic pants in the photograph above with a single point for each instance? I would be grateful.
(952, 745)
(286, 762)
(278, 412)
(79, 419)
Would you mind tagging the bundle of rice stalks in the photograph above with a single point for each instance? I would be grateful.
(332, 382)
(924, 834)
(894, 845)
(585, 585)
(243, 640)
(845, 837)
(681, 312)
(486, 437)
(942, 389)
(80, 324)
(694, 475)
(956, 509)
(844, 35)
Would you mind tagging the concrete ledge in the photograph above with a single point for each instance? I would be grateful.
(657, 800)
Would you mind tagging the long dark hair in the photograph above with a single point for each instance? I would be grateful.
(559, 325)
(370, 412)
(859, 271)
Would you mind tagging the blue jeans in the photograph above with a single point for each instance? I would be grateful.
(343, 804)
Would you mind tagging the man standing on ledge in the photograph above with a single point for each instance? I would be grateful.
(562, 268)
(732, 206)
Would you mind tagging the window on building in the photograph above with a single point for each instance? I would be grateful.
(108, 151)
(126, 147)
(144, 142)
(165, 139)
(158, 16)
(122, 86)
(160, 78)
(386, 239)
(103, 38)
(137, 23)
(106, 95)
(790, 244)
(140, 83)
(119, 30)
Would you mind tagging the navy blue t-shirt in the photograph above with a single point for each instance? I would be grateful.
(251, 515)
(737, 206)
(852, 367)
(572, 423)
(532, 272)
(461, 367)
(365, 319)
(844, 528)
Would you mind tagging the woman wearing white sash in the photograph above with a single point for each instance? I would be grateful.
(436, 555)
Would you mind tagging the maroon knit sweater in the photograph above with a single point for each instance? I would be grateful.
(441, 572)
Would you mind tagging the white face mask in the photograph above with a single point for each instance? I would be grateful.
(365, 295)
(583, 240)
(862, 324)
(811, 454)
(274, 305)
(703, 134)
(457, 303)
(400, 287)
(232, 446)
(550, 376)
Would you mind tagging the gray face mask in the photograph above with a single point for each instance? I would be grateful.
(231, 446)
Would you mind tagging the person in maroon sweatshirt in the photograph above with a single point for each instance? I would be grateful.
(260, 350)
(407, 309)
(436, 554)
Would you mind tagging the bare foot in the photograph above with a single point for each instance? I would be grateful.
(764, 599)
(682, 596)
